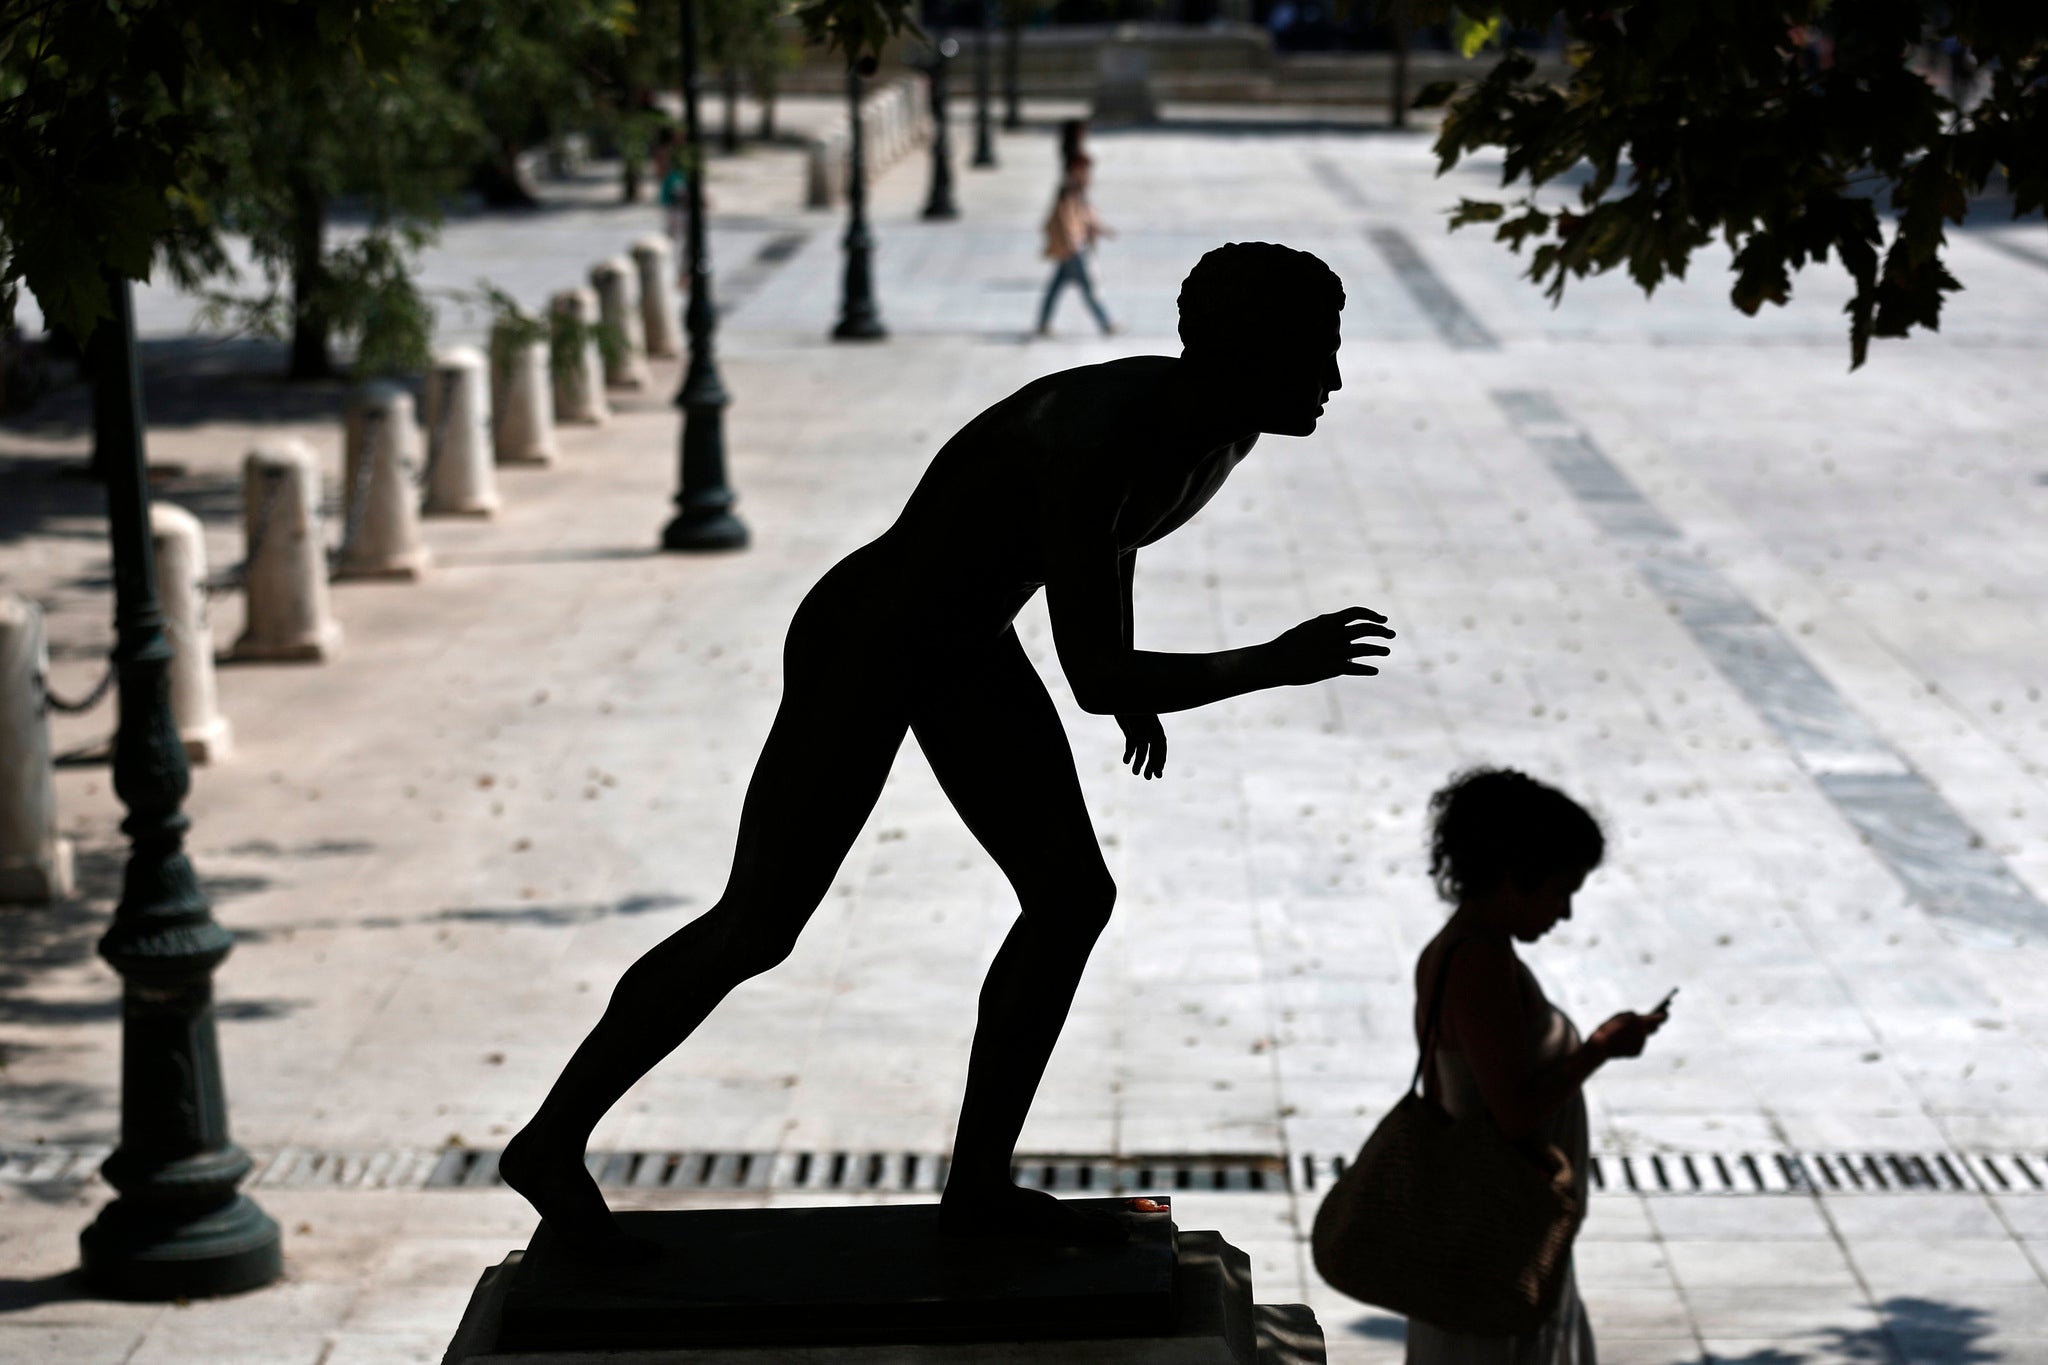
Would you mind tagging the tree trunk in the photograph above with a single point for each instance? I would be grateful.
(311, 324)
(629, 179)
(764, 88)
(730, 137)
(498, 180)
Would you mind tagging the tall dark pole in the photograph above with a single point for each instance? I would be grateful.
(704, 518)
(859, 319)
(179, 1228)
(984, 44)
(939, 204)
(1013, 94)
(1399, 97)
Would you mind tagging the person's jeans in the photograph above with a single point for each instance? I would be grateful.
(1073, 270)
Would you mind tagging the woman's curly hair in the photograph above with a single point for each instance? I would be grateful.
(1487, 824)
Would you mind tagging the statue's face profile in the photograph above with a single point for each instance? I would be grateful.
(1290, 380)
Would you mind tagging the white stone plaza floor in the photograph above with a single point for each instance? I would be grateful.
(1778, 623)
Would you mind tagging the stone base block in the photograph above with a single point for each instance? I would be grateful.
(208, 743)
(405, 568)
(40, 882)
(869, 1285)
(303, 650)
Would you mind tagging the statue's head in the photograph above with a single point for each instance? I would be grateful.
(1263, 317)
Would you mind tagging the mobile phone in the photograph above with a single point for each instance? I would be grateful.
(1665, 1003)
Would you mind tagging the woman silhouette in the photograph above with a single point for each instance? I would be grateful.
(1057, 486)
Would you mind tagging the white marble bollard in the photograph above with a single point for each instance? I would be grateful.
(180, 547)
(35, 861)
(284, 576)
(380, 518)
(460, 478)
(660, 316)
(522, 408)
(579, 385)
(619, 310)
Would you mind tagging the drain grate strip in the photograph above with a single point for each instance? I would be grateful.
(1308, 1173)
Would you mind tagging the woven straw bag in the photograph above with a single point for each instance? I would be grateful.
(1446, 1220)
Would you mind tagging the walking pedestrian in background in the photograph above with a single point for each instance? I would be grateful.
(1071, 229)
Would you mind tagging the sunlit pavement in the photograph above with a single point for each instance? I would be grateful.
(1776, 622)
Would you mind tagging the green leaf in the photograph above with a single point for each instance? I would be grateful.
(1469, 35)
(1476, 211)
(1433, 94)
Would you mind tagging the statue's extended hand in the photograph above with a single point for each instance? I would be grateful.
(1144, 745)
(1330, 646)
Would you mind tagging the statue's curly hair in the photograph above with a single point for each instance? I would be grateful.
(1244, 290)
(1491, 824)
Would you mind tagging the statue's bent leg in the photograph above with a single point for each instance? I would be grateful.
(996, 744)
(818, 778)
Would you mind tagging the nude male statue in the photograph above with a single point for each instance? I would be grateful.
(1057, 486)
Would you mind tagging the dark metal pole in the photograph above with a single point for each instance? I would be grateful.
(940, 203)
(179, 1228)
(1013, 94)
(704, 519)
(859, 319)
(984, 135)
(1399, 98)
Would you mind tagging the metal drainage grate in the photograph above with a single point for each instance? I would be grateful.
(1677, 1173)
(1783, 1172)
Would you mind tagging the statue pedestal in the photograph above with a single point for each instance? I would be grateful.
(879, 1285)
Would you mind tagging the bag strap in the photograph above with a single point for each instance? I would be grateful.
(1430, 1019)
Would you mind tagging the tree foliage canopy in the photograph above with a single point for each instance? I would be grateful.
(1777, 125)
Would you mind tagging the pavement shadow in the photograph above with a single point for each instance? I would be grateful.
(562, 914)
(64, 934)
(196, 379)
(19, 1295)
(1913, 1328)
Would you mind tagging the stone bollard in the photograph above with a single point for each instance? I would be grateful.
(579, 385)
(619, 309)
(460, 480)
(659, 311)
(181, 583)
(380, 519)
(35, 861)
(522, 409)
(284, 573)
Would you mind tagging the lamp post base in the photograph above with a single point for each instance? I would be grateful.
(134, 1252)
(860, 327)
(704, 530)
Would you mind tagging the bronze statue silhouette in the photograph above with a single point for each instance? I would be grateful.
(1057, 486)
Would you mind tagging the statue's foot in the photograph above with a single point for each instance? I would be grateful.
(1011, 1211)
(555, 1181)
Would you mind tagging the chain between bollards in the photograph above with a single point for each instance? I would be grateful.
(85, 703)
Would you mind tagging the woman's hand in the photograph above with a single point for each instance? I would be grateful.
(1144, 745)
(1625, 1034)
(1329, 646)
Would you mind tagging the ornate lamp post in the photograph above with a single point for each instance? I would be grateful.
(984, 138)
(939, 204)
(859, 319)
(704, 519)
(179, 1228)
(1013, 40)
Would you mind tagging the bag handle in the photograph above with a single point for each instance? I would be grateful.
(1430, 1019)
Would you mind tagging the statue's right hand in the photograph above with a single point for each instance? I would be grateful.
(1330, 646)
